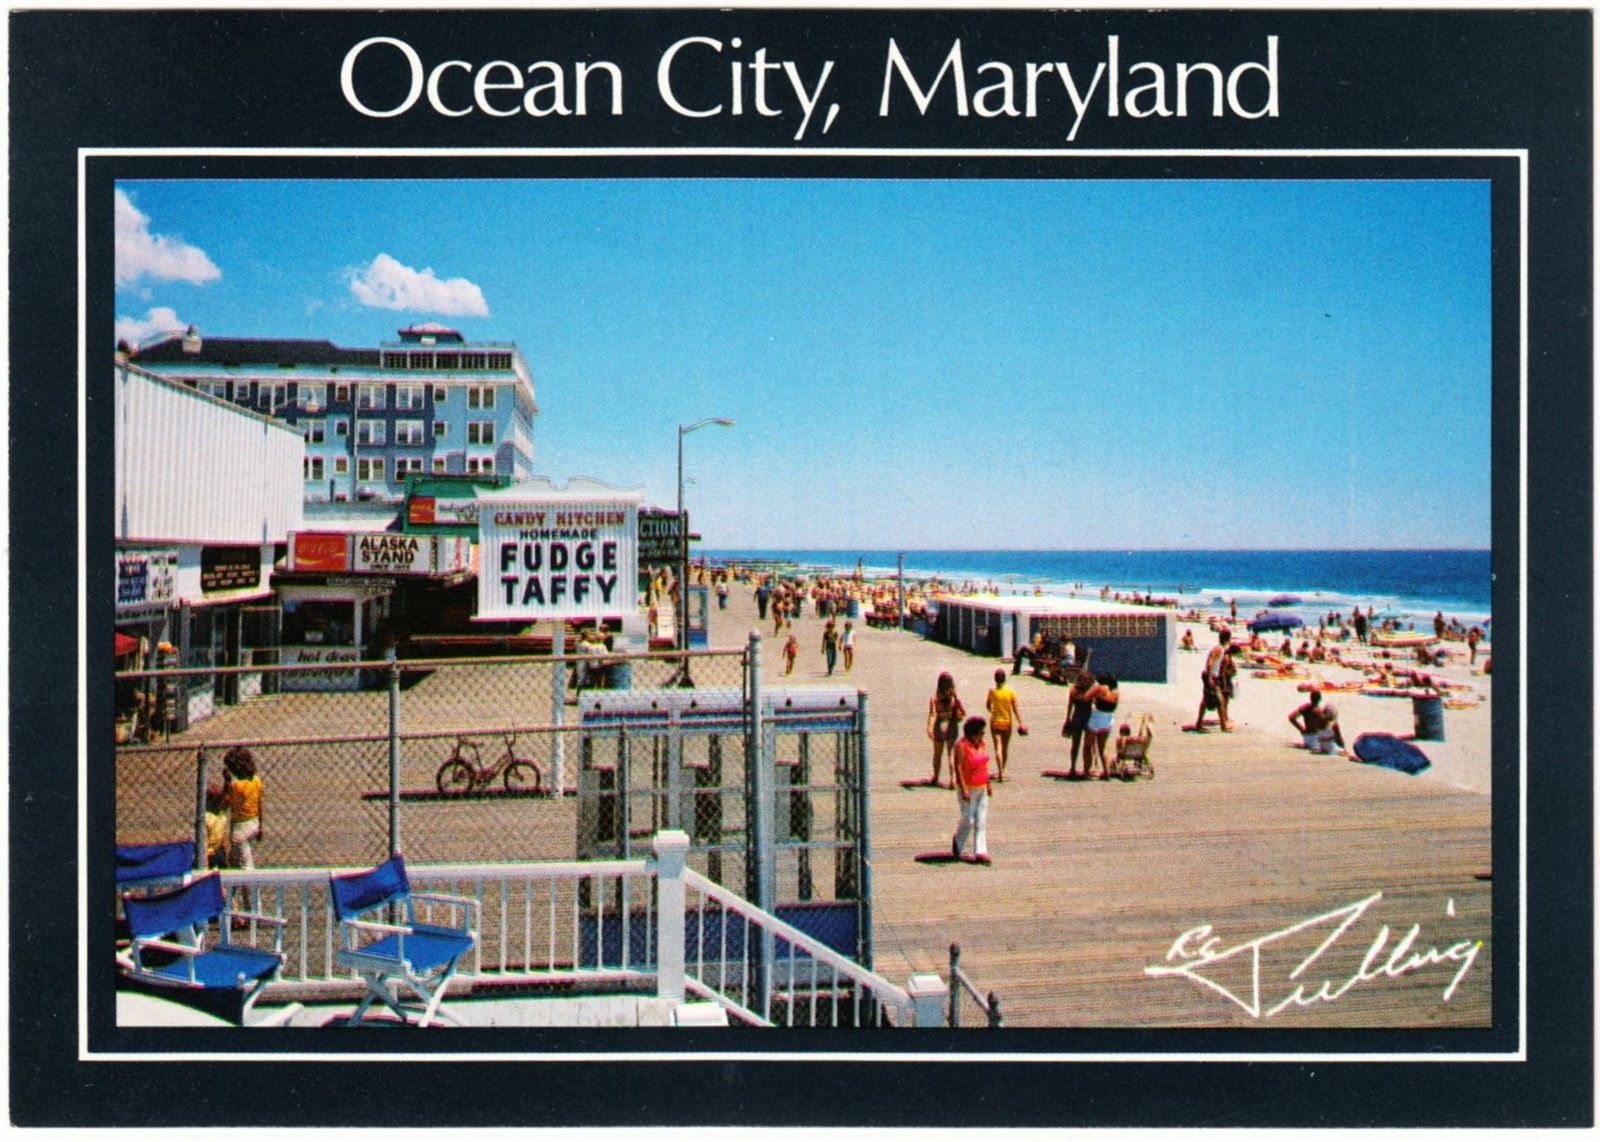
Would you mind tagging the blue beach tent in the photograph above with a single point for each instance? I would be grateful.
(1275, 620)
(1390, 752)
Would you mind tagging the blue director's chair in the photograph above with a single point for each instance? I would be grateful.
(171, 945)
(387, 956)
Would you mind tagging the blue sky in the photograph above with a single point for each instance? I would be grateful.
(919, 363)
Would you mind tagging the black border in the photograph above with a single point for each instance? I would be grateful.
(123, 67)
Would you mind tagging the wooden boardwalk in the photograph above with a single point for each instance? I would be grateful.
(1093, 882)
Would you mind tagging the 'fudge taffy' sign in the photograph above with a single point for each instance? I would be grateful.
(557, 558)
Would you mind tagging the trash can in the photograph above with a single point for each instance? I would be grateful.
(1428, 717)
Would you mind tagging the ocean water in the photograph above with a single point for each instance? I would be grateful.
(1409, 585)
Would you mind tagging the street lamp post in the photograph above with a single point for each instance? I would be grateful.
(683, 532)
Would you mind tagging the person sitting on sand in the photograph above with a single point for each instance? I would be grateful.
(1187, 641)
(1318, 725)
(945, 712)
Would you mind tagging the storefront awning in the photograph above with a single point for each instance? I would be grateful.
(126, 644)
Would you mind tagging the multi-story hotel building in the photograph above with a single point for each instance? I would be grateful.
(431, 403)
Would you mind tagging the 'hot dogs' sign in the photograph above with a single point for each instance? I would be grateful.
(557, 558)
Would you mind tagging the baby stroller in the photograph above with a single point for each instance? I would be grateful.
(1133, 751)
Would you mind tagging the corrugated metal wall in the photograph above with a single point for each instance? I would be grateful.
(191, 468)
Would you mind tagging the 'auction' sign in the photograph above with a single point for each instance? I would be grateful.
(557, 558)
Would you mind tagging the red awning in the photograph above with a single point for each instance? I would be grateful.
(126, 644)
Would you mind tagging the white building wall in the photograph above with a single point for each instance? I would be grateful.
(196, 469)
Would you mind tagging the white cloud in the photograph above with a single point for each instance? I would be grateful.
(159, 319)
(141, 254)
(386, 284)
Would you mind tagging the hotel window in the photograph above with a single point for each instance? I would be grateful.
(275, 397)
(439, 428)
(369, 396)
(407, 464)
(439, 394)
(370, 432)
(369, 469)
(480, 396)
(480, 465)
(341, 428)
(408, 432)
(314, 431)
(499, 360)
(341, 465)
(409, 398)
(341, 394)
(241, 392)
(440, 464)
(313, 467)
(218, 389)
(312, 396)
(480, 432)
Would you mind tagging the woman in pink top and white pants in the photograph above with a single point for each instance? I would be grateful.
(972, 787)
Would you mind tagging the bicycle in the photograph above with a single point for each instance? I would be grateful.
(464, 772)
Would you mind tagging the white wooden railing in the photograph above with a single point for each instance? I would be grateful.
(648, 923)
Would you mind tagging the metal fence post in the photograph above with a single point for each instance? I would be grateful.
(394, 754)
(863, 832)
(761, 778)
(672, 851)
(200, 808)
(558, 708)
(955, 984)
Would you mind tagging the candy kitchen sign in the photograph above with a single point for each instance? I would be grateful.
(561, 556)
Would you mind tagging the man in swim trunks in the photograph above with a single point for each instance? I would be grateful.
(1318, 725)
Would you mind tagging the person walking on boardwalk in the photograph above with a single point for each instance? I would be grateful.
(1216, 682)
(847, 643)
(790, 650)
(241, 790)
(1079, 706)
(970, 767)
(830, 645)
(1004, 714)
(1102, 700)
(945, 712)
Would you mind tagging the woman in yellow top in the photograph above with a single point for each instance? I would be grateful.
(242, 791)
(1004, 714)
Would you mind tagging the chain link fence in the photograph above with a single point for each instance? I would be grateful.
(522, 759)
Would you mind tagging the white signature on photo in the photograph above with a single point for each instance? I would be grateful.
(1198, 949)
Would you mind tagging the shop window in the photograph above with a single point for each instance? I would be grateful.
(318, 622)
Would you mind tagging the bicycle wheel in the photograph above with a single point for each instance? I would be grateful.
(522, 776)
(454, 776)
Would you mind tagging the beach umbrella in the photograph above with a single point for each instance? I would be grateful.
(1283, 600)
(1275, 620)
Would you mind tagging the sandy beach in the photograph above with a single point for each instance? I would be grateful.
(1244, 835)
